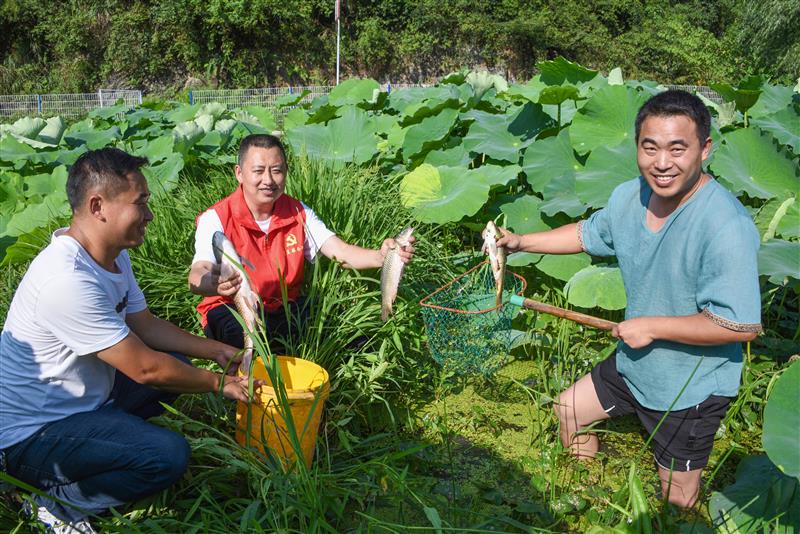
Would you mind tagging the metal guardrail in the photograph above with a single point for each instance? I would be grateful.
(268, 96)
(66, 104)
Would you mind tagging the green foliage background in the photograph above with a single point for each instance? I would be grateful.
(161, 45)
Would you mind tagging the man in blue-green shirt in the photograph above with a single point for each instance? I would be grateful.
(687, 251)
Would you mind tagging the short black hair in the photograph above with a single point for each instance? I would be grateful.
(107, 168)
(261, 141)
(676, 102)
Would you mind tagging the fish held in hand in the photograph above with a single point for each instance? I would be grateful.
(391, 272)
(245, 299)
(497, 257)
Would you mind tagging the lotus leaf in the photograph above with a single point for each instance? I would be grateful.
(777, 259)
(748, 161)
(606, 168)
(32, 142)
(549, 159)
(296, 117)
(559, 70)
(44, 184)
(265, 117)
(28, 127)
(773, 98)
(563, 266)
(567, 111)
(353, 91)
(782, 421)
(606, 119)
(503, 137)
(182, 113)
(157, 149)
(186, 134)
(163, 178)
(93, 139)
(52, 131)
(784, 125)
(291, 99)
(615, 77)
(483, 81)
(430, 131)
(23, 248)
(529, 91)
(350, 138)
(779, 217)
(522, 259)
(567, 203)
(762, 500)
(37, 215)
(745, 96)
(451, 157)
(558, 94)
(522, 215)
(420, 102)
(597, 286)
(205, 122)
(384, 123)
(109, 112)
(12, 151)
(447, 194)
(225, 127)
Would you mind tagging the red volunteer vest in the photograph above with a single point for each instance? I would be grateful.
(277, 255)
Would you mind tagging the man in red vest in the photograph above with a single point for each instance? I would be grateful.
(275, 233)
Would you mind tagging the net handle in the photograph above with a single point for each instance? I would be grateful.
(581, 318)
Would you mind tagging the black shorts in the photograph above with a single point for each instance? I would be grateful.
(684, 440)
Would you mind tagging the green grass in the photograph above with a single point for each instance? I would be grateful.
(404, 446)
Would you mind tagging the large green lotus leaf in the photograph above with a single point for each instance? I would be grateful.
(549, 158)
(22, 249)
(615, 77)
(784, 125)
(606, 168)
(745, 96)
(529, 91)
(205, 122)
(210, 143)
(430, 131)
(779, 217)
(409, 100)
(157, 149)
(483, 81)
(28, 127)
(67, 157)
(52, 131)
(567, 111)
(350, 138)
(563, 266)
(225, 127)
(447, 194)
(12, 151)
(773, 98)
(384, 123)
(503, 137)
(45, 184)
(779, 259)
(528, 120)
(182, 113)
(291, 99)
(557, 94)
(296, 117)
(522, 259)
(522, 215)
(186, 134)
(93, 139)
(560, 197)
(749, 161)
(265, 117)
(215, 109)
(606, 119)
(597, 286)
(762, 500)
(109, 112)
(32, 142)
(451, 157)
(37, 215)
(353, 91)
(559, 70)
(782, 422)
(163, 178)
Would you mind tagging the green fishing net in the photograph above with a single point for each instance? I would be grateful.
(467, 332)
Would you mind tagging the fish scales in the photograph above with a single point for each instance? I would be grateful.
(391, 273)
(497, 258)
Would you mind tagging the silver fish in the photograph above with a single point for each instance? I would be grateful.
(391, 272)
(245, 300)
(497, 257)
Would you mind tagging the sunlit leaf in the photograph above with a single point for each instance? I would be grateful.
(749, 161)
(93, 139)
(773, 98)
(265, 117)
(548, 159)
(350, 138)
(778, 259)
(559, 70)
(522, 215)
(163, 178)
(563, 266)
(37, 215)
(431, 130)
(28, 127)
(451, 157)
(607, 119)
(782, 421)
(353, 91)
(53, 130)
(446, 194)
(606, 168)
(44, 184)
(597, 286)
(784, 125)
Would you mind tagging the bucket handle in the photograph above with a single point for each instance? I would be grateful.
(582, 318)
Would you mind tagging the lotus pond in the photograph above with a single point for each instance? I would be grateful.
(406, 445)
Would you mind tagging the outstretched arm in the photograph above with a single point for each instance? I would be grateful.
(161, 335)
(561, 240)
(363, 258)
(695, 329)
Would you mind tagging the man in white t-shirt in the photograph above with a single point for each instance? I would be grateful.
(276, 234)
(83, 362)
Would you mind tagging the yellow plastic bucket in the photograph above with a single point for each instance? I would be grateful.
(307, 387)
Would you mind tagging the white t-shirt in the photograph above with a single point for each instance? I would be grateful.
(315, 235)
(65, 310)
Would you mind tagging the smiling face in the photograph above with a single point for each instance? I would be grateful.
(128, 213)
(263, 178)
(670, 157)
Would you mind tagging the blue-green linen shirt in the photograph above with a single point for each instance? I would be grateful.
(703, 260)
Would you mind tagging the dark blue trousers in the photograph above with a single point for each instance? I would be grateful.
(104, 458)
